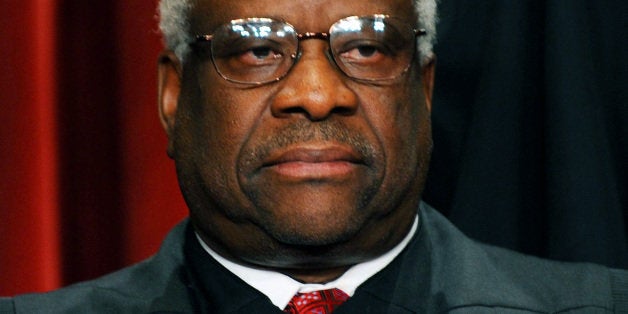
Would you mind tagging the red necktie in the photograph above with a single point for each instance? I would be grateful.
(317, 302)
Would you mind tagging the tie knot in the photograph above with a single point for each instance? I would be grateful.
(317, 302)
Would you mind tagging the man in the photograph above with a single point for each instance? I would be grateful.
(301, 136)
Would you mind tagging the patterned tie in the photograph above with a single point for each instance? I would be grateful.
(317, 302)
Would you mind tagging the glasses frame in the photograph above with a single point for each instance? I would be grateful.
(201, 39)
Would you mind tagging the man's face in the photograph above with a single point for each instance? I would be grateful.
(315, 170)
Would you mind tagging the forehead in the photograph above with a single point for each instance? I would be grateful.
(310, 15)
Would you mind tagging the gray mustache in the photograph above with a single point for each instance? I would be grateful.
(303, 131)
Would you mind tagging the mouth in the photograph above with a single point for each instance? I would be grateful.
(313, 162)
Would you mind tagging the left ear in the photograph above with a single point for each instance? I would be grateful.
(427, 80)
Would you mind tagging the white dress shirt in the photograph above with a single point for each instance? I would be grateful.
(281, 288)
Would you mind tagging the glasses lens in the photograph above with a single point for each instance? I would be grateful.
(372, 48)
(255, 50)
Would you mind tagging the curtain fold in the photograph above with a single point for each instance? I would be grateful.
(85, 183)
(531, 108)
(29, 226)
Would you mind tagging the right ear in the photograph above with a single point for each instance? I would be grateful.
(168, 90)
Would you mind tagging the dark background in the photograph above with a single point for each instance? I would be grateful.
(531, 124)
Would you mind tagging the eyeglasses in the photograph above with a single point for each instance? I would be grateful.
(257, 51)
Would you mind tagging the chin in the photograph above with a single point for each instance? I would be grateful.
(314, 235)
(312, 223)
(312, 214)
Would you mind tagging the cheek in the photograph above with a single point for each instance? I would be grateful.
(215, 124)
(395, 117)
(401, 123)
(226, 118)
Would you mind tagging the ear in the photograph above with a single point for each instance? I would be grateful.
(427, 80)
(168, 90)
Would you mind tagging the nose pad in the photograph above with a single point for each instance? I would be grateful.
(314, 87)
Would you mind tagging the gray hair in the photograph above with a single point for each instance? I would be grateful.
(174, 25)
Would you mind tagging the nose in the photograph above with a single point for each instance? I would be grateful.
(314, 87)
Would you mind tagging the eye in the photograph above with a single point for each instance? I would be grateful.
(366, 51)
(249, 52)
(259, 56)
(363, 53)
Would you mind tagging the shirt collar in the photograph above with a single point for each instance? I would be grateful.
(280, 288)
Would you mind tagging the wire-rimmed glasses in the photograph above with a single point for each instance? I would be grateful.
(257, 51)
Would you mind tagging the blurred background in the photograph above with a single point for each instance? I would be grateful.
(530, 129)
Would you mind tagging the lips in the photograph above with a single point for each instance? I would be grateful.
(313, 161)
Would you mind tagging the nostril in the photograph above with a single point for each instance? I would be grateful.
(294, 110)
(343, 111)
(312, 113)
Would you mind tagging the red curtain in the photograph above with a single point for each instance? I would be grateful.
(85, 184)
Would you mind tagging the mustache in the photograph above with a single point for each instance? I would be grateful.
(304, 131)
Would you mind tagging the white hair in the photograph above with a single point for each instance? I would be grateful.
(174, 24)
